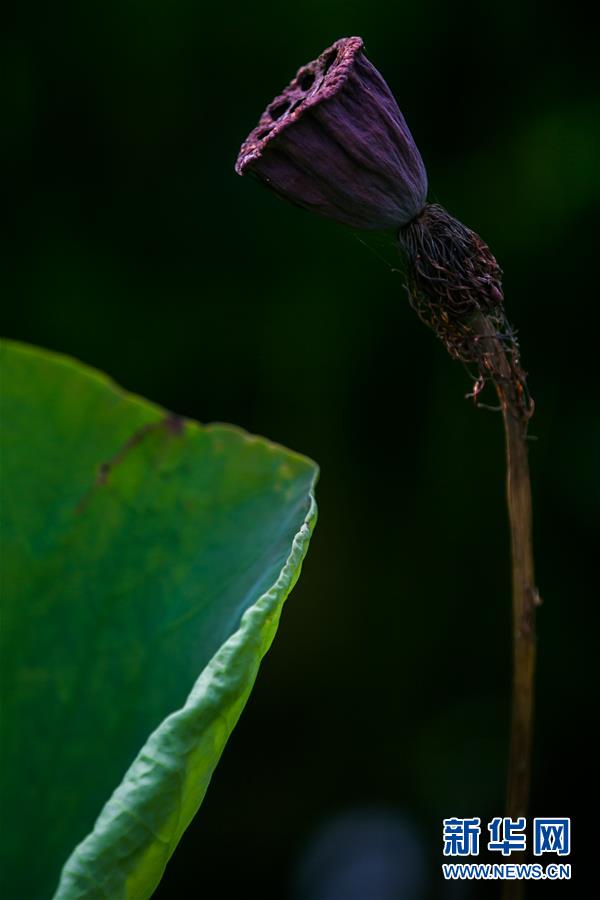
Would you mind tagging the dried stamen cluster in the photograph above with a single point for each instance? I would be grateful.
(454, 285)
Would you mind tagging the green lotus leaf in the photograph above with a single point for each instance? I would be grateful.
(145, 562)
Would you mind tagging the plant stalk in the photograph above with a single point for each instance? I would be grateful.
(525, 599)
(509, 383)
(455, 286)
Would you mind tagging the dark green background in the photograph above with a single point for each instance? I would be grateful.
(133, 246)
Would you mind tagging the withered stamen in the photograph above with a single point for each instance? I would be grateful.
(454, 285)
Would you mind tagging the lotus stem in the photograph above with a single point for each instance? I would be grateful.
(454, 284)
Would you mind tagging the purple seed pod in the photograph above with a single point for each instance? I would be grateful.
(335, 143)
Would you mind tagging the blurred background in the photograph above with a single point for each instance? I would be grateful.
(383, 706)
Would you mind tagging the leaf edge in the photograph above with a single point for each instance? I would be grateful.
(121, 842)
